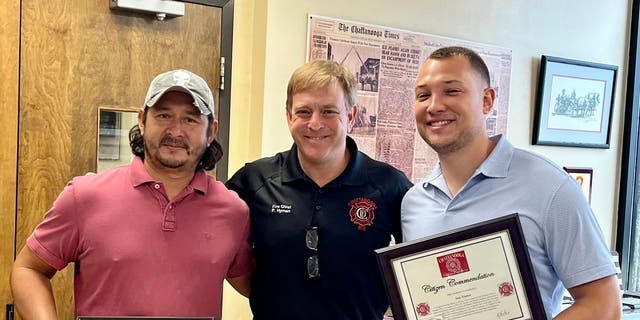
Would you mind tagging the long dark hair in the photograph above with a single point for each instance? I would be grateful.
(212, 154)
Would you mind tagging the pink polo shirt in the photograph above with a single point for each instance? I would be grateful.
(136, 252)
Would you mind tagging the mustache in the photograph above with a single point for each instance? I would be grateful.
(167, 140)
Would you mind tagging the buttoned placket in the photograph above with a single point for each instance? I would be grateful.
(441, 191)
(168, 208)
(316, 206)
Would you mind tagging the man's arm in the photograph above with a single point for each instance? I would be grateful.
(598, 300)
(242, 284)
(31, 286)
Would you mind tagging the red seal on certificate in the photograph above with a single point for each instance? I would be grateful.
(423, 309)
(453, 263)
(362, 212)
(505, 289)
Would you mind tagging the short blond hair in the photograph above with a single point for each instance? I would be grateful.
(321, 73)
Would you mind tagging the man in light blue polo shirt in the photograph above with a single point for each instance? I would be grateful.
(480, 177)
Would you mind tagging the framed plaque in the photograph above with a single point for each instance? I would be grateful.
(479, 272)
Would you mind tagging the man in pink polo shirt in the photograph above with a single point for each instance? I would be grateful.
(154, 238)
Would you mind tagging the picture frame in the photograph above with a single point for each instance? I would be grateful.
(574, 103)
(449, 276)
(584, 177)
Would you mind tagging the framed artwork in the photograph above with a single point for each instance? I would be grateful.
(574, 102)
(584, 176)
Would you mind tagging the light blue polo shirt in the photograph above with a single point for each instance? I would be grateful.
(565, 243)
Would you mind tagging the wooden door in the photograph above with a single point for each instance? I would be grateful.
(77, 56)
(9, 48)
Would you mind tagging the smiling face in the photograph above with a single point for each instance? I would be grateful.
(175, 133)
(318, 122)
(451, 102)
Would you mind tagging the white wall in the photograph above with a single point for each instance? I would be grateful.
(591, 30)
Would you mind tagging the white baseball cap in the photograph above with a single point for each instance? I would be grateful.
(183, 81)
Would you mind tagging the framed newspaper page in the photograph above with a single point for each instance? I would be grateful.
(479, 272)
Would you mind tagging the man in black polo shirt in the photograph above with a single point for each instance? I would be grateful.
(319, 210)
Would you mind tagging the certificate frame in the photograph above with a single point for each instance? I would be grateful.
(523, 286)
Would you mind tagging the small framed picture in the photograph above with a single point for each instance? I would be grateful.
(584, 176)
(574, 102)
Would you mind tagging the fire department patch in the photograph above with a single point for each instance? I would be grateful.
(423, 309)
(505, 289)
(453, 263)
(362, 212)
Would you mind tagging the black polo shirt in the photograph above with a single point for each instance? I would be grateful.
(354, 214)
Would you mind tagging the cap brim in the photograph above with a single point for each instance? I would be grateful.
(197, 99)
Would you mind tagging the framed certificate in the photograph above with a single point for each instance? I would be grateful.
(479, 272)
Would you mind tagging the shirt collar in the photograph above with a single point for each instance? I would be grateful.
(496, 165)
(140, 176)
(499, 160)
(351, 175)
